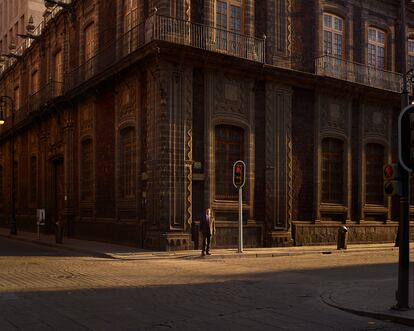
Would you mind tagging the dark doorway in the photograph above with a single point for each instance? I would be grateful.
(57, 199)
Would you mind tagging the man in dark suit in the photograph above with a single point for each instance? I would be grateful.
(207, 228)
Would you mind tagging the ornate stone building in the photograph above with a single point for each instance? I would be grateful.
(130, 114)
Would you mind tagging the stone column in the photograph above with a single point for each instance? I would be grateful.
(169, 141)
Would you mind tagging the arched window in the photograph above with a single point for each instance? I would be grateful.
(86, 171)
(228, 149)
(376, 48)
(374, 162)
(127, 163)
(332, 170)
(333, 30)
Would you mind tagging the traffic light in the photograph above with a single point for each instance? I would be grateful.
(391, 180)
(239, 174)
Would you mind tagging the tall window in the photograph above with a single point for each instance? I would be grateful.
(376, 48)
(229, 24)
(58, 66)
(58, 73)
(228, 149)
(88, 49)
(131, 14)
(332, 170)
(127, 175)
(410, 46)
(86, 171)
(34, 82)
(33, 179)
(333, 35)
(374, 161)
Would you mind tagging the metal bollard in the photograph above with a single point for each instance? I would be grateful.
(342, 240)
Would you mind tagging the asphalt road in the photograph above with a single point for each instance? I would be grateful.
(48, 289)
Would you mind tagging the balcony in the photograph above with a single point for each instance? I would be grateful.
(172, 30)
(330, 66)
(208, 38)
(41, 98)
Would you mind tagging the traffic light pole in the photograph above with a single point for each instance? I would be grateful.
(404, 223)
(240, 248)
(404, 243)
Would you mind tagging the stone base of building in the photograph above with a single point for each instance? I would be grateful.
(279, 239)
(172, 241)
(324, 234)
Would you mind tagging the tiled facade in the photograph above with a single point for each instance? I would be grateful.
(130, 114)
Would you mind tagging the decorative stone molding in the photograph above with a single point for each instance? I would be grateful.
(376, 122)
(230, 96)
(334, 113)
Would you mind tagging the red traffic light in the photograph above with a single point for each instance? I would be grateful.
(388, 171)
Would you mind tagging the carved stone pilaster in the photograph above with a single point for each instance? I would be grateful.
(278, 171)
(68, 138)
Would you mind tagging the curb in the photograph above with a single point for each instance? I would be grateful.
(195, 255)
(327, 299)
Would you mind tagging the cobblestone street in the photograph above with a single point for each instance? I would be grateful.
(48, 289)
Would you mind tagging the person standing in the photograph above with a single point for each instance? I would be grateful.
(207, 228)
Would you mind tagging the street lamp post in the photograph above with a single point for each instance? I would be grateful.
(4, 99)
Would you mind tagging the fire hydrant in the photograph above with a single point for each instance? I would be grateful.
(342, 239)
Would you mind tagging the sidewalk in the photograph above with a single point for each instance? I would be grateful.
(113, 251)
(373, 299)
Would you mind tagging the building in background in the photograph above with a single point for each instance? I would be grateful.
(14, 17)
(130, 114)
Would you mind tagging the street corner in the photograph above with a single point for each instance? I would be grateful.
(374, 299)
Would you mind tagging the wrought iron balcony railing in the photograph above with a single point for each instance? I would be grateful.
(331, 66)
(171, 30)
(208, 38)
(46, 94)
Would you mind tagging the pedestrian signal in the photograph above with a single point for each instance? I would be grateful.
(239, 174)
(392, 185)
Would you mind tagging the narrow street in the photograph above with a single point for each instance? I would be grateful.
(49, 289)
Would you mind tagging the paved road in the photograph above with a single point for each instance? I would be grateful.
(47, 289)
